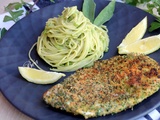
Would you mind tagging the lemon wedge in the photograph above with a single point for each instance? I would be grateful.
(39, 76)
(135, 34)
(144, 46)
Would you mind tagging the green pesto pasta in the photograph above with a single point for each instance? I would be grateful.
(70, 41)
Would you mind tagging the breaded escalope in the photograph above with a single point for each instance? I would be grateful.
(110, 86)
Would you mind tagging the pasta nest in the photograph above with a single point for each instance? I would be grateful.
(70, 41)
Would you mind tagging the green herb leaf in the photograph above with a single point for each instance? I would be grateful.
(154, 26)
(18, 6)
(136, 2)
(151, 5)
(88, 9)
(17, 14)
(106, 14)
(131, 2)
(14, 14)
(11, 5)
(2, 32)
(15, 5)
(158, 19)
(7, 18)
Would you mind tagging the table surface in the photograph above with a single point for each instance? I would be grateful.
(8, 111)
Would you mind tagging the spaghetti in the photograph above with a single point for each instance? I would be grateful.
(71, 41)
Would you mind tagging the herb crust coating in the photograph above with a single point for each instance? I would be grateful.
(110, 86)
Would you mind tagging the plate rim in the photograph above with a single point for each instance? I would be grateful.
(42, 9)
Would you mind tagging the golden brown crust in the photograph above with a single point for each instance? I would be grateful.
(110, 86)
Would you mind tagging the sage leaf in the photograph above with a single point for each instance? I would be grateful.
(88, 9)
(105, 15)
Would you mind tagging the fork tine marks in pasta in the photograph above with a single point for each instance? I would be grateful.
(70, 41)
